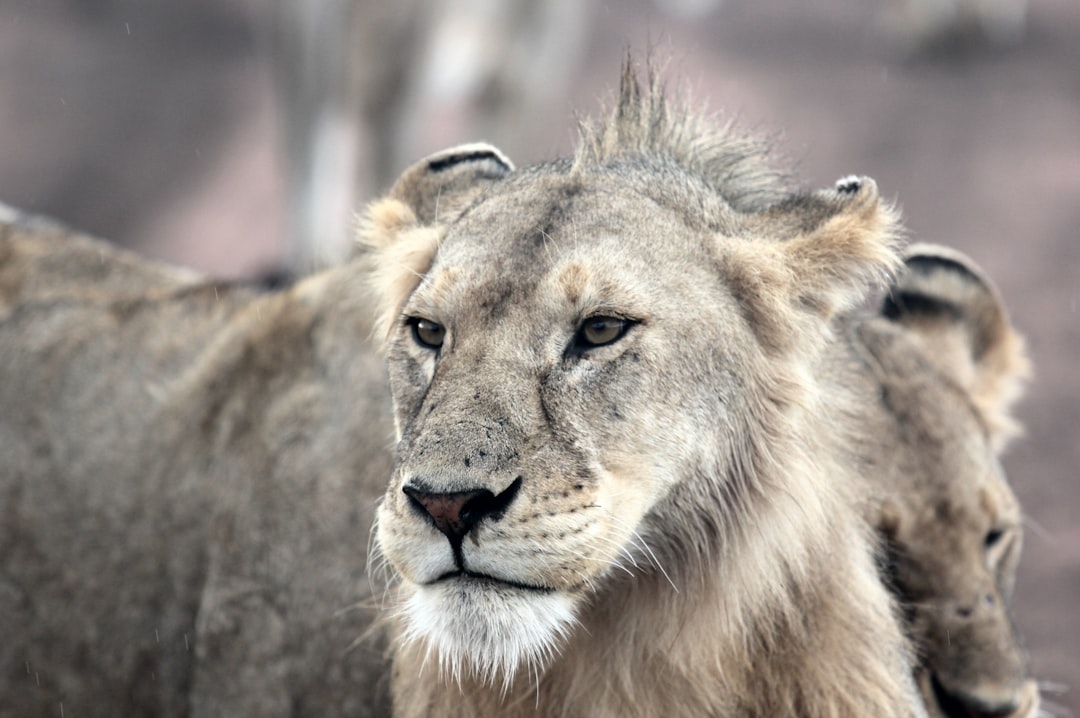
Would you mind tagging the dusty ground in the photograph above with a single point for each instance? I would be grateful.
(153, 124)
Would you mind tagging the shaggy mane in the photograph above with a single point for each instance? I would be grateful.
(645, 124)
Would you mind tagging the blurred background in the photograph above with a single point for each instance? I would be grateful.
(240, 136)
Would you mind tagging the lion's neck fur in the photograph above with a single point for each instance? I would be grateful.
(748, 640)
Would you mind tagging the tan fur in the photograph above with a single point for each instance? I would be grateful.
(187, 471)
(975, 344)
(662, 525)
(944, 365)
(406, 251)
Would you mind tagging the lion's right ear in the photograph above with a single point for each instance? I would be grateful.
(401, 232)
(949, 305)
(440, 186)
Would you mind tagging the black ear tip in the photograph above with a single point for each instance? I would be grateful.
(849, 185)
(860, 188)
(469, 154)
(927, 264)
(449, 179)
(926, 258)
(939, 281)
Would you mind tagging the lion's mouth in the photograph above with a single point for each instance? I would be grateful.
(472, 577)
(953, 707)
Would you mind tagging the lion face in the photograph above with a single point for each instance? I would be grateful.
(545, 411)
(568, 357)
(955, 560)
(952, 523)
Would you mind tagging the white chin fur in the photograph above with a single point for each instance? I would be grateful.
(487, 630)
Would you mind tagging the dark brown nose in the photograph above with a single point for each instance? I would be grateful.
(456, 512)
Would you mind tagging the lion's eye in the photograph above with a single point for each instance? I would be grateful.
(993, 536)
(427, 333)
(600, 331)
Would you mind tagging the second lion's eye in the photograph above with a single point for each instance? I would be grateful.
(993, 537)
(427, 333)
(600, 331)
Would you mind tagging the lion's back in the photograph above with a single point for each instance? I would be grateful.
(184, 506)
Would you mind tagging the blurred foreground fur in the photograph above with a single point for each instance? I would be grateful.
(187, 473)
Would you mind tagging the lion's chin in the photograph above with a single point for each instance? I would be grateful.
(487, 630)
(939, 704)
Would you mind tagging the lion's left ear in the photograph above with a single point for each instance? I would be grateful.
(400, 233)
(946, 302)
(814, 255)
(844, 245)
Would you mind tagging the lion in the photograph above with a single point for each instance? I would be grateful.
(187, 475)
(944, 366)
(617, 488)
(188, 468)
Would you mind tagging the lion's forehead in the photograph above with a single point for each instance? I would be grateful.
(527, 226)
(565, 284)
(972, 499)
(565, 246)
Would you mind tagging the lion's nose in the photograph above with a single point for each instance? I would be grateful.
(456, 512)
(985, 601)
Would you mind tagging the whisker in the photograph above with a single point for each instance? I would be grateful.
(655, 560)
(1037, 528)
(607, 562)
(1052, 687)
(621, 549)
(638, 540)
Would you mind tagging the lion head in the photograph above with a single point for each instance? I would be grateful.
(950, 366)
(609, 456)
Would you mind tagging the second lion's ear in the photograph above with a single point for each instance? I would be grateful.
(945, 301)
(439, 187)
